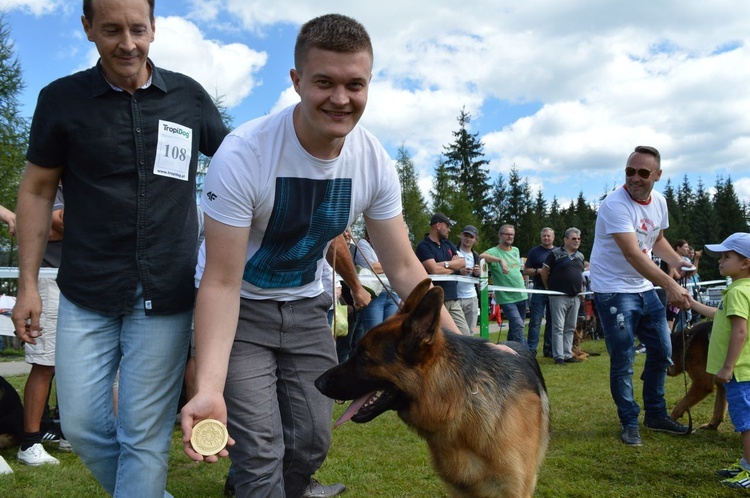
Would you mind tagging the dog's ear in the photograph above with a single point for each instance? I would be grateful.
(416, 295)
(423, 321)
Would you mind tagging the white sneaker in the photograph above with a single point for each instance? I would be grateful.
(36, 455)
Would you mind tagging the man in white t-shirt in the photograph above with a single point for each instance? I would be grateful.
(629, 227)
(467, 291)
(298, 178)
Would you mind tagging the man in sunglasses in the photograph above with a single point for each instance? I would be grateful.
(629, 227)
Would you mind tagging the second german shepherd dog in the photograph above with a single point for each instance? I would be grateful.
(484, 412)
(702, 383)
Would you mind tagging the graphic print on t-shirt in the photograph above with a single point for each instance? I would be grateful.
(306, 215)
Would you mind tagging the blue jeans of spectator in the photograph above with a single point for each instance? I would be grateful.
(515, 314)
(380, 308)
(625, 316)
(345, 345)
(539, 309)
(128, 455)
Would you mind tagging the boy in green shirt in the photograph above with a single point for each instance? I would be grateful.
(729, 350)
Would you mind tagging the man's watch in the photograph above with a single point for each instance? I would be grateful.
(447, 264)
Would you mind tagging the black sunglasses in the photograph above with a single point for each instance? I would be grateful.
(643, 172)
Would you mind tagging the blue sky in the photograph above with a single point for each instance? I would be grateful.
(561, 90)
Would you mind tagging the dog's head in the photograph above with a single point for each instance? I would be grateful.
(383, 371)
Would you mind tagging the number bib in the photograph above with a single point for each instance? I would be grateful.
(173, 150)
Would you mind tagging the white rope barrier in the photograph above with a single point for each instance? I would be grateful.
(11, 272)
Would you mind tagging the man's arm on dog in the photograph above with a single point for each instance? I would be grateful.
(216, 315)
(344, 266)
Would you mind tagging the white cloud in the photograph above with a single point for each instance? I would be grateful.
(204, 10)
(225, 70)
(35, 7)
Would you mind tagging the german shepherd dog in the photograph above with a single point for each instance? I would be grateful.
(701, 382)
(484, 412)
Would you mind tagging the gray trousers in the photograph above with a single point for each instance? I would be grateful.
(470, 307)
(280, 422)
(564, 314)
(457, 313)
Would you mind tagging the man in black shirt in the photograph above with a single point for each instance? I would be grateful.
(124, 137)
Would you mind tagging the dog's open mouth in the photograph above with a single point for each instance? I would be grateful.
(367, 407)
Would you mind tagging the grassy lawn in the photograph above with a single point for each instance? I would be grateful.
(384, 459)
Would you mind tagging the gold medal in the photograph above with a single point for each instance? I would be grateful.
(209, 437)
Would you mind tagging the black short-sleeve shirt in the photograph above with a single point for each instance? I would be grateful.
(565, 271)
(125, 223)
(428, 249)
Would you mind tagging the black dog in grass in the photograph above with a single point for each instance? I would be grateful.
(11, 415)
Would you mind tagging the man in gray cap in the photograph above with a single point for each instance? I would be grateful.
(440, 257)
(467, 291)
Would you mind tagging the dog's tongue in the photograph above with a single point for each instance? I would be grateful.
(351, 410)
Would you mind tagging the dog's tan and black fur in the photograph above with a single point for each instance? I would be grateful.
(483, 412)
(702, 383)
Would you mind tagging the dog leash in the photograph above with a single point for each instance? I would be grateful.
(386, 288)
(682, 317)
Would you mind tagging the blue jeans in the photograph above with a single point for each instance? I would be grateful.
(539, 309)
(515, 314)
(625, 316)
(128, 455)
(380, 308)
(345, 345)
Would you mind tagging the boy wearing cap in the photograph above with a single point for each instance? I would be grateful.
(467, 291)
(729, 350)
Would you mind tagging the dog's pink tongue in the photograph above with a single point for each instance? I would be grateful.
(351, 410)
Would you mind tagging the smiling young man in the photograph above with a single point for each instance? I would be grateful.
(128, 255)
(279, 189)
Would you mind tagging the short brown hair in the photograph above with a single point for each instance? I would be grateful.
(332, 32)
(647, 149)
(88, 10)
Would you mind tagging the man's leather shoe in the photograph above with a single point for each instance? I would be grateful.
(317, 490)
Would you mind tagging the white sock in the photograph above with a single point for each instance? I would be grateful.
(744, 464)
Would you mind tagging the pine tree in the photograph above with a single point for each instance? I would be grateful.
(442, 187)
(13, 143)
(416, 213)
(519, 201)
(498, 206)
(465, 164)
(729, 212)
(704, 226)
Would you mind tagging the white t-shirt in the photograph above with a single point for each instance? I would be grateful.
(466, 290)
(295, 204)
(618, 213)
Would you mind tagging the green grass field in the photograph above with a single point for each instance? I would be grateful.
(385, 459)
